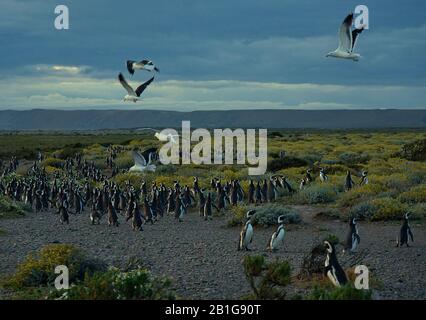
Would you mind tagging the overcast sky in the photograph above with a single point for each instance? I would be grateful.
(215, 54)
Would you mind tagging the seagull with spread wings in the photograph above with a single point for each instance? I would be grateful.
(347, 41)
(141, 65)
(141, 164)
(133, 95)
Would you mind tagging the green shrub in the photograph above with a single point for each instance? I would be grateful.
(317, 194)
(388, 209)
(385, 208)
(363, 211)
(287, 162)
(267, 215)
(346, 292)
(415, 151)
(352, 158)
(12, 209)
(414, 195)
(116, 285)
(53, 162)
(39, 269)
(267, 279)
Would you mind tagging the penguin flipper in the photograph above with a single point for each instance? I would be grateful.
(358, 238)
(411, 235)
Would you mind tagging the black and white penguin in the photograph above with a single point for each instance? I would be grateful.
(364, 178)
(323, 175)
(353, 239)
(112, 215)
(333, 270)
(405, 234)
(251, 192)
(349, 183)
(63, 214)
(246, 234)
(277, 237)
(308, 176)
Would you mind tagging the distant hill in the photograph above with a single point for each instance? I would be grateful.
(40, 119)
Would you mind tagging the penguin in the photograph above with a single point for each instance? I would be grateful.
(405, 233)
(323, 176)
(353, 239)
(251, 192)
(202, 202)
(302, 184)
(277, 237)
(137, 218)
(95, 216)
(63, 214)
(349, 183)
(112, 215)
(246, 234)
(308, 176)
(364, 178)
(333, 270)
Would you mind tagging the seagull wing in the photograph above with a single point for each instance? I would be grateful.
(355, 34)
(130, 66)
(126, 85)
(143, 86)
(139, 159)
(345, 35)
(144, 62)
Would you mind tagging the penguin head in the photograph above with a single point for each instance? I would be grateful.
(281, 219)
(353, 221)
(406, 216)
(328, 246)
(250, 213)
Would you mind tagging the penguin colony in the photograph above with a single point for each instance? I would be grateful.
(73, 192)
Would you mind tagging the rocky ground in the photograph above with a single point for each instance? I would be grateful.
(202, 256)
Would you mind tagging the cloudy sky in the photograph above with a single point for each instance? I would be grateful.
(221, 54)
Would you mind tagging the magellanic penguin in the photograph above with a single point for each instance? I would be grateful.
(353, 239)
(323, 176)
(364, 178)
(277, 237)
(112, 215)
(333, 270)
(405, 233)
(246, 234)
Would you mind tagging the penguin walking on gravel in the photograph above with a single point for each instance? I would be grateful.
(112, 215)
(333, 270)
(137, 220)
(405, 234)
(95, 216)
(353, 239)
(63, 214)
(246, 234)
(277, 237)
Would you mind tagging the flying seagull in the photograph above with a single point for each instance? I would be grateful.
(133, 95)
(173, 138)
(141, 164)
(141, 65)
(347, 41)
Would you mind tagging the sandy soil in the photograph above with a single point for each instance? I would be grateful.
(202, 256)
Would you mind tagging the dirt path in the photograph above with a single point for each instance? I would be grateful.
(202, 257)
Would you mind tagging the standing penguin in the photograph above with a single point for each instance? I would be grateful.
(246, 234)
(333, 270)
(349, 183)
(63, 214)
(112, 215)
(353, 239)
(277, 237)
(364, 178)
(323, 175)
(251, 192)
(405, 233)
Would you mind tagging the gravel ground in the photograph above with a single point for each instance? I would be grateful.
(202, 256)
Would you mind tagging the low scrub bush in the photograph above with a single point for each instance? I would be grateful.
(116, 285)
(315, 194)
(347, 292)
(12, 209)
(39, 269)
